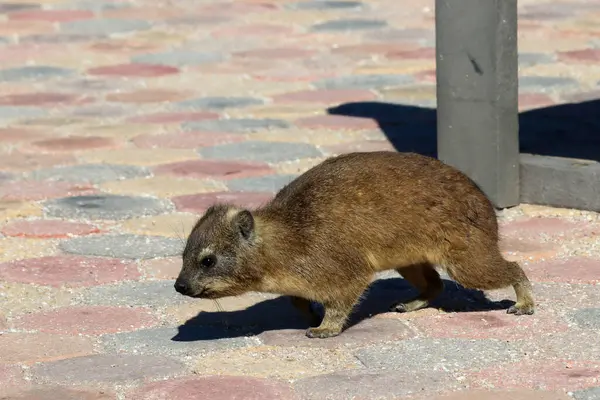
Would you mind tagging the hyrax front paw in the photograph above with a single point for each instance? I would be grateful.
(321, 333)
(521, 309)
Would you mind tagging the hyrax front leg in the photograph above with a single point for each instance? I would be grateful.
(305, 307)
(426, 280)
(333, 323)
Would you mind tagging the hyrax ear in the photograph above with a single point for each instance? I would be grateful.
(244, 222)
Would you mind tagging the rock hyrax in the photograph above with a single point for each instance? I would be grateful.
(324, 236)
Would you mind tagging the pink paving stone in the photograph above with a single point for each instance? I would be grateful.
(36, 99)
(51, 15)
(252, 30)
(12, 380)
(548, 228)
(540, 374)
(422, 53)
(336, 122)
(198, 203)
(146, 96)
(74, 143)
(366, 145)
(232, 8)
(48, 229)
(68, 271)
(488, 325)
(214, 169)
(276, 53)
(534, 100)
(572, 270)
(278, 75)
(88, 320)
(34, 190)
(30, 348)
(426, 76)
(174, 117)
(375, 48)
(134, 70)
(185, 140)
(325, 96)
(123, 46)
(18, 134)
(215, 388)
(586, 55)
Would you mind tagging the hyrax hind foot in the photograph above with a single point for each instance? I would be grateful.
(409, 306)
(521, 309)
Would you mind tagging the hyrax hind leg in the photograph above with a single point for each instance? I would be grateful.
(424, 278)
(486, 269)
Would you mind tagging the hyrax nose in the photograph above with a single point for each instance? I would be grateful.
(181, 287)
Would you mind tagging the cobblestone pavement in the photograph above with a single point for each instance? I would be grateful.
(123, 120)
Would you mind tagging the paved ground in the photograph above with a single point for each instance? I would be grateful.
(123, 120)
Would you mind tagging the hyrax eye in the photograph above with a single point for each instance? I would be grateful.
(208, 261)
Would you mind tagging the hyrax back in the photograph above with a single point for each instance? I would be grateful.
(325, 234)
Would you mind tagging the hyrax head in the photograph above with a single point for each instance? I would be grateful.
(215, 258)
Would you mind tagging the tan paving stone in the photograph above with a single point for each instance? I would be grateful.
(277, 362)
(20, 298)
(15, 248)
(134, 156)
(18, 209)
(163, 186)
(171, 225)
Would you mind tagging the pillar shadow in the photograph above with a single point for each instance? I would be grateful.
(278, 313)
(569, 130)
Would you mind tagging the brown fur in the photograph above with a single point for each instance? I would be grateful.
(324, 236)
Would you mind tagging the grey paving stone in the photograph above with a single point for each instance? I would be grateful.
(545, 83)
(107, 368)
(438, 354)
(12, 7)
(588, 318)
(154, 294)
(587, 394)
(364, 81)
(91, 5)
(349, 25)
(529, 59)
(325, 5)
(166, 341)
(269, 183)
(10, 112)
(105, 26)
(105, 207)
(238, 125)
(34, 72)
(90, 173)
(219, 103)
(61, 38)
(123, 246)
(271, 152)
(178, 58)
(373, 385)
(5, 177)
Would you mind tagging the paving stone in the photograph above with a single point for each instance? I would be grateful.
(90, 173)
(36, 190)
(349, 25)
(12, 380)
(488, 325)
(135, 294)
(585, 55)
(108, 369)
(217, 388)
(174, 117)
(275, 362)
(185, 140)
(336, 96)
(39, 72)
(10, 112)
(168, 341)
(269, 183)
(12, 7)
(177, 225)
(529, 59)
(177, 58)
(51, 15)
(545, 84)
(161, 268)
(146, 96)
(543, 374)
(373, 385)
(105, 207)
(574, 344)
(105, 26)
(73, 143)
(366, 145)
(36, 99)
(134, 70)
(587, 394)
(276, 53)
(325, 5)
(198, 203)
(163, 186)
(364, 81)
(439, 354)
(214, 169)
(270, 152)
(518, 394)
(336, 122)
(68, 271)
(369, 331)
(44, 392)
(123, 246)
(569, 270)
(588, 318)
(139, 157)
(29, 348)
(16, 248)
(242, 125)
(547, 228)
(219, 103)
(88, 320)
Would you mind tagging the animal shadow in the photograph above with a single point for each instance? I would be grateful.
(278, 313)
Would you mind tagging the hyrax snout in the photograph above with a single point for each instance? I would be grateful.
(324, 236)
